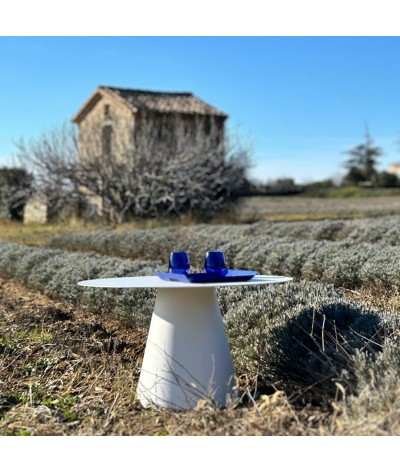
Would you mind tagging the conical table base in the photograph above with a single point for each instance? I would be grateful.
(187, 356)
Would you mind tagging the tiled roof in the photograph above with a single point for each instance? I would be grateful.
(163, 102)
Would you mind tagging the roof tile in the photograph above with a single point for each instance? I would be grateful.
(163, 102)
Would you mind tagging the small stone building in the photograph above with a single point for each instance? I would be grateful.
(119, 122)
(35, 211)
(121, 125)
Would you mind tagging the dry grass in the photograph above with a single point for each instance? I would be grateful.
(377, 299)
(65, 371)
(35, 234)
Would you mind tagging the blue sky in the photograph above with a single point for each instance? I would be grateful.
(300, 101)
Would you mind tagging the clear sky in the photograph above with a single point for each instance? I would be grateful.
(301, 101)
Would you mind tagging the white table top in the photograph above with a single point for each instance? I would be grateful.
(156, 282)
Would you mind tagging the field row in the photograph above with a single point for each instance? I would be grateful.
(346, 263)
(133, 243)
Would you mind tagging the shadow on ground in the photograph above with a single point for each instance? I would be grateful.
(313, 358)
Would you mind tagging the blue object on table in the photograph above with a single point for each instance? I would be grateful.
(208, 277)
(214, 262)
(179, 262)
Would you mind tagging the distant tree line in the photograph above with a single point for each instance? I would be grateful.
(361, 171)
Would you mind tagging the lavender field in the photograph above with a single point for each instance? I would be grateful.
(320, 354)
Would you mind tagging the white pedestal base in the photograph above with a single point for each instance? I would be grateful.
(187, 356)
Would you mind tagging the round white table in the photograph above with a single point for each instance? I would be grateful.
(187, 357)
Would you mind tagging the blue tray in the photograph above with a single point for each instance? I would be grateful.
(205, 277)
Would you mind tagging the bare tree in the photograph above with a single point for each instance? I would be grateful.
(163, 168)
(52, 160)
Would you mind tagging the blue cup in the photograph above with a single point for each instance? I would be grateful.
(179, 262)
(214, 262)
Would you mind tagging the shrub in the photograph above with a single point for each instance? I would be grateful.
(301, 338)
(15, 189)
(273, 249)
(56, 273)
(387, 180)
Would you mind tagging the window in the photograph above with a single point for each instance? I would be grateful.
(106, 140)
(106, 110)
(207, 125)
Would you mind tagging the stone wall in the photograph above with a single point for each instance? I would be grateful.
(35, 211)
(103, 114)
(4, 211)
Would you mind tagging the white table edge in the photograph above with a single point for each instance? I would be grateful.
(156, 282)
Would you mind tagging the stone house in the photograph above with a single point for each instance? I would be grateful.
(120, 122)
(123, 124)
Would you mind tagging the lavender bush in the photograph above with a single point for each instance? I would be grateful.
(56, 273)
(347, 263)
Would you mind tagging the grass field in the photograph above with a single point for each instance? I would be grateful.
(319, 356)
(252, 209)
